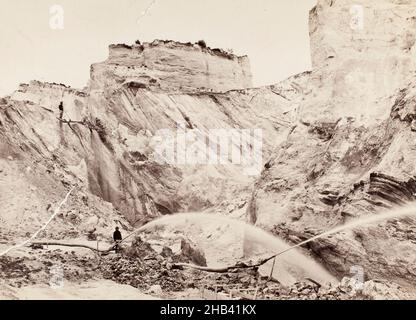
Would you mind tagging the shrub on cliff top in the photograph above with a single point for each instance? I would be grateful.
(202, 43)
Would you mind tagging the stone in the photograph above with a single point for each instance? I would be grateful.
(166, 252)
(155, 289)
(413, 126)
(191, 251)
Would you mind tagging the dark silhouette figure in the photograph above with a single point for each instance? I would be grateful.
(61, 110)
(117, 235)
(117, 239)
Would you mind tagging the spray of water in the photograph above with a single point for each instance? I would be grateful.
(400, 212)
(291, 267)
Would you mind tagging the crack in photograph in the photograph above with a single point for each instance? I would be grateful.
(179, 150)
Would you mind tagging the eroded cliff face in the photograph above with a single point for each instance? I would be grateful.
(363, 51)
(353, 30)
(353, 150)
(170, 66)
(106, 136)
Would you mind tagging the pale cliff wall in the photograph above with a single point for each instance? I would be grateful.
(365, 45)
(110, 138)
(171, 66)
(353, 150)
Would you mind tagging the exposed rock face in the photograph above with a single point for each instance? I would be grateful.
(106, 137)
(365, 42)
(353, 150)
(172, 66)
(364, 50)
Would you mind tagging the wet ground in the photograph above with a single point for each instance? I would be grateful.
(31, 274)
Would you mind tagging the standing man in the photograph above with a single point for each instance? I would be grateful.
(117, 239)
(61, 110)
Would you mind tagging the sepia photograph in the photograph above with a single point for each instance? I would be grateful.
(223, 151)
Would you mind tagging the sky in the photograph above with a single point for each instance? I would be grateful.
(273, 33)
